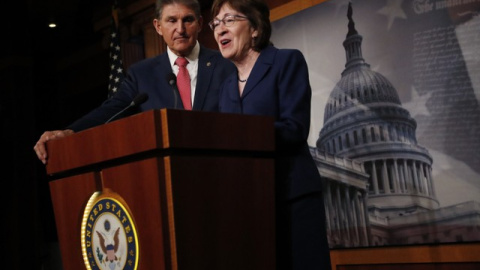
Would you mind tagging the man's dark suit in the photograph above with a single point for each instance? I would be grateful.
(150, 76)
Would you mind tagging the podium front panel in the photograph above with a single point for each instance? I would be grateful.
(200, 195)
(138, 184)
(224, 212)
(69, 197)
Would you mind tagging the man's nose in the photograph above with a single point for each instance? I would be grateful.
(180, 26)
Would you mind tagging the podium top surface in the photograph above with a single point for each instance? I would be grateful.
(162, 131)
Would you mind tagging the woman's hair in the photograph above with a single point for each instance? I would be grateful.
(258, 15)
(192, 4)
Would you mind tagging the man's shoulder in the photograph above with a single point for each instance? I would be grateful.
(150, 63)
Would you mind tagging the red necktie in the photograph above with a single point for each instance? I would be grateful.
(183, 83)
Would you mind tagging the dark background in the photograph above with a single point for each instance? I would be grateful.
(33, 62)
(48, 78)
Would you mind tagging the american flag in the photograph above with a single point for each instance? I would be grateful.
(116, 65)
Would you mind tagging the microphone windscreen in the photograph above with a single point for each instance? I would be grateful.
(139, 99)
(171, 79)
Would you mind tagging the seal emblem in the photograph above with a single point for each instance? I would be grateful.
(109, 237)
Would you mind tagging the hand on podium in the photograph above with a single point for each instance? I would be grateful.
(40, 147)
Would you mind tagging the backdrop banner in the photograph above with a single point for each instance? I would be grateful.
(395, 126)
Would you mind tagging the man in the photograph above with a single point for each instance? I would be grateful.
(179, 23)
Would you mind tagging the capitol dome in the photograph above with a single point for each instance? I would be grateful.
(364, 121)
(360, 86)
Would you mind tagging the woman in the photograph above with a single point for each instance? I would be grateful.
(275, 82)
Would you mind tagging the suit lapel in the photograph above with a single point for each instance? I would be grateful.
(162, 69)
(231, 84)
(260, 69)
(205, 71)
(231, 89)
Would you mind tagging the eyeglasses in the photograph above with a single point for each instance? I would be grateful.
(228, 21)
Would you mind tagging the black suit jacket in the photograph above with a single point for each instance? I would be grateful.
(150, 76)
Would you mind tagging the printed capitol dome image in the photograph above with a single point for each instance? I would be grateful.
(395, 105)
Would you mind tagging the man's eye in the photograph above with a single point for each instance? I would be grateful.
(189, 19)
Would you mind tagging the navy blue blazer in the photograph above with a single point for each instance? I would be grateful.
(150, 76)
(279, 86)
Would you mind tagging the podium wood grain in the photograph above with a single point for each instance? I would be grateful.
(200, 187)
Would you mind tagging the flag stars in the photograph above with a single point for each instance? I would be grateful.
(116, 65)
(393, 10)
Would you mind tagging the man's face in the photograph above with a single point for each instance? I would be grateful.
(179, 28)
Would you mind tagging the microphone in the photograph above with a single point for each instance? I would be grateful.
(172, 81)
(139, 99)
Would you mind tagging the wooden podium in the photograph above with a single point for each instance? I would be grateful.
(199, 187)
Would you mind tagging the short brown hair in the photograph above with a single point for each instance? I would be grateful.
(192, 4)
(258, 15)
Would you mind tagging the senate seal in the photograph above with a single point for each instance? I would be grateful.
(109, 238)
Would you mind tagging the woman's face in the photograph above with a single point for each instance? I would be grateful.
(236, 40)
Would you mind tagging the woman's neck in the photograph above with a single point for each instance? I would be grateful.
(245, 65)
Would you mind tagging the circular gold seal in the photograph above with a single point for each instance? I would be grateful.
(109, 238)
